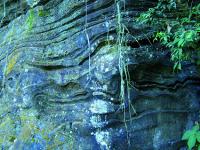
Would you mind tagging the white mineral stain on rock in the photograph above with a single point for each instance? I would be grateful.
(111, 38)
(156, 139)
(27, 102)
(99, 106)
(103, 138)
(96, 121)
(105, 87)
(114, 71)
(32, 3)
(106, 69)
(107, 24)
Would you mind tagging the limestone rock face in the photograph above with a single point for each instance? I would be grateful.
(60, 77)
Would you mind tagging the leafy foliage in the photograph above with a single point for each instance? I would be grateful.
(193, 137)
(180, 33)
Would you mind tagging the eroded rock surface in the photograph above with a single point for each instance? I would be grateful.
(59, 63)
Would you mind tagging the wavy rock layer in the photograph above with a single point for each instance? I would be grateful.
(60, 58)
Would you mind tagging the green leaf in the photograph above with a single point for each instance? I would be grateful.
(199, 147)
(198, 29)
(189, 34)
(181, 43)
(186, 135)
(179, 66)
(198, 136)
(175, 66)
(191, 142)
(180, 52)
(185, 20)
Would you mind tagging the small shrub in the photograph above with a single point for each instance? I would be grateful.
(193, 137)
(180, 34)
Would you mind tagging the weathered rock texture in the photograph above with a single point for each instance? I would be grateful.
(60, 63)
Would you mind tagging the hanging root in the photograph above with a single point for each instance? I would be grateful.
(123, 69)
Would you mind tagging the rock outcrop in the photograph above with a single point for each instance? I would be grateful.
(60, 79)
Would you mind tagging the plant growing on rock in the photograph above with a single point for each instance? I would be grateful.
(193, 137)
(180, 34)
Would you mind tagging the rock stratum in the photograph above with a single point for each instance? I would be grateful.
(61, 80)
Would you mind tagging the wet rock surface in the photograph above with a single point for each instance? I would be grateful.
(60, 79)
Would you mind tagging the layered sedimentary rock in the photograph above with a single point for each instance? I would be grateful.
(59, 63)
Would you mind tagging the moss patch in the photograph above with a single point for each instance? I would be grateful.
(11, 63)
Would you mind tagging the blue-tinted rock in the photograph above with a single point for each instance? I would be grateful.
(61, 83)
